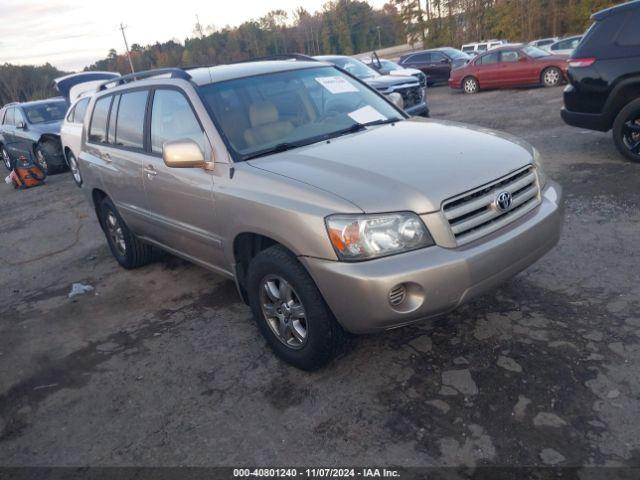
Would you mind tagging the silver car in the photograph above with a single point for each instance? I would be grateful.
(71, 136)
(329, 207)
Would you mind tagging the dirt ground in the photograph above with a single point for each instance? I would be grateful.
(164, 365)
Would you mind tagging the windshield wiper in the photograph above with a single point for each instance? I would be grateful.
(356, 127)
(281, 147)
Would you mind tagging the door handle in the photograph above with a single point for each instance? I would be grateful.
(150, 171)
(106, 157)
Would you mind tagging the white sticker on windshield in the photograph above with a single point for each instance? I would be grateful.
(367, 114)
(336, 84)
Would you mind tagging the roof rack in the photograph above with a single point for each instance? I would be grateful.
(132, 77)
(10, 104)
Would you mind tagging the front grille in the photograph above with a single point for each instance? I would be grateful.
(411, 96)
(475, 214)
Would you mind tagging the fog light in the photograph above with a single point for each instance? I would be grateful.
(397, 295)
(396, 98)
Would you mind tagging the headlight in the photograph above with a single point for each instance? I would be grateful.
(397, 100)
(361, 237)
(542, 176)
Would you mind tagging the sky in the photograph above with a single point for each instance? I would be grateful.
(71, 34)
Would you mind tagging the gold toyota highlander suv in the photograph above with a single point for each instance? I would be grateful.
(329, 207)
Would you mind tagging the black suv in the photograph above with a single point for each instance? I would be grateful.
(604, 76)
(436, 63)
(32, 130)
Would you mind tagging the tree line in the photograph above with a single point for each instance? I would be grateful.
(344, 27)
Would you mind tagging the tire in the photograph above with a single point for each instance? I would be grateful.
(319, 337)
(6, 159)
(470, 85)
(551, 77)
(126, 248)
(49, 158)
(74, 168)
(626, 131)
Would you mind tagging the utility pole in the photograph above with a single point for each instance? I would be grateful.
(199, 27)
(126, 45)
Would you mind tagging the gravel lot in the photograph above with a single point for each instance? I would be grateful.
(164, 366)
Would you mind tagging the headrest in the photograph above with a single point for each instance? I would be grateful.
(262, 113)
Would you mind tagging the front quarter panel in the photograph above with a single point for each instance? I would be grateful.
(251, 200)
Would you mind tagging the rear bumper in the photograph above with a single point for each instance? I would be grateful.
(437, 279)
(590, 121)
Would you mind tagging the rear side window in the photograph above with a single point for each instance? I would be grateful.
(130, 121)
(509, 56)
(173, 119)
(420, 57)
(629, 35)
(98, 128)
(80, 110)
(488, 59)
(8, 118)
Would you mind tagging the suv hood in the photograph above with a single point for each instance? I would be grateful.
(413, 165)
(383, 82)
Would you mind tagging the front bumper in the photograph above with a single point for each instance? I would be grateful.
(420, 110)
(438, 279)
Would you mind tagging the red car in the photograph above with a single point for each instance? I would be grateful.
(510, 66)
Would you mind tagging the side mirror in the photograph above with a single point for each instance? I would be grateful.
(21, 126)
(184, 153)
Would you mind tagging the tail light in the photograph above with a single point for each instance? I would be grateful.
(581, 62)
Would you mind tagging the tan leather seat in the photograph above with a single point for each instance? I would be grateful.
(265, 126)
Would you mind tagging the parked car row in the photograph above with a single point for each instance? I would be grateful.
(32, 129)
(510, 66)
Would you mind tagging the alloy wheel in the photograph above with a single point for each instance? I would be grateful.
(6, 158)
(552, 77)
(116, 235)
(75, 171)
(470, 85)
(284, 312)
(631, 134)
(42, 161)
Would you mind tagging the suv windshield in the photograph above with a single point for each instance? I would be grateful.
(275, 112)
(45, 112)
(535, 52)
(354, 67)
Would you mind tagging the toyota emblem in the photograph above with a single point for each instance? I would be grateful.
(503, 201)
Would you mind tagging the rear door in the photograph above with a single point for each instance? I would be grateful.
(179, 200)
(440, 65)
(421, 61)
(488, 69)
(516, 68)
(116, 150)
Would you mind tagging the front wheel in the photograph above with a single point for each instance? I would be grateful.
(551, 77)
(290, 311)
(49, 157)
(6, 159)
(626, 131)
(470, 85)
